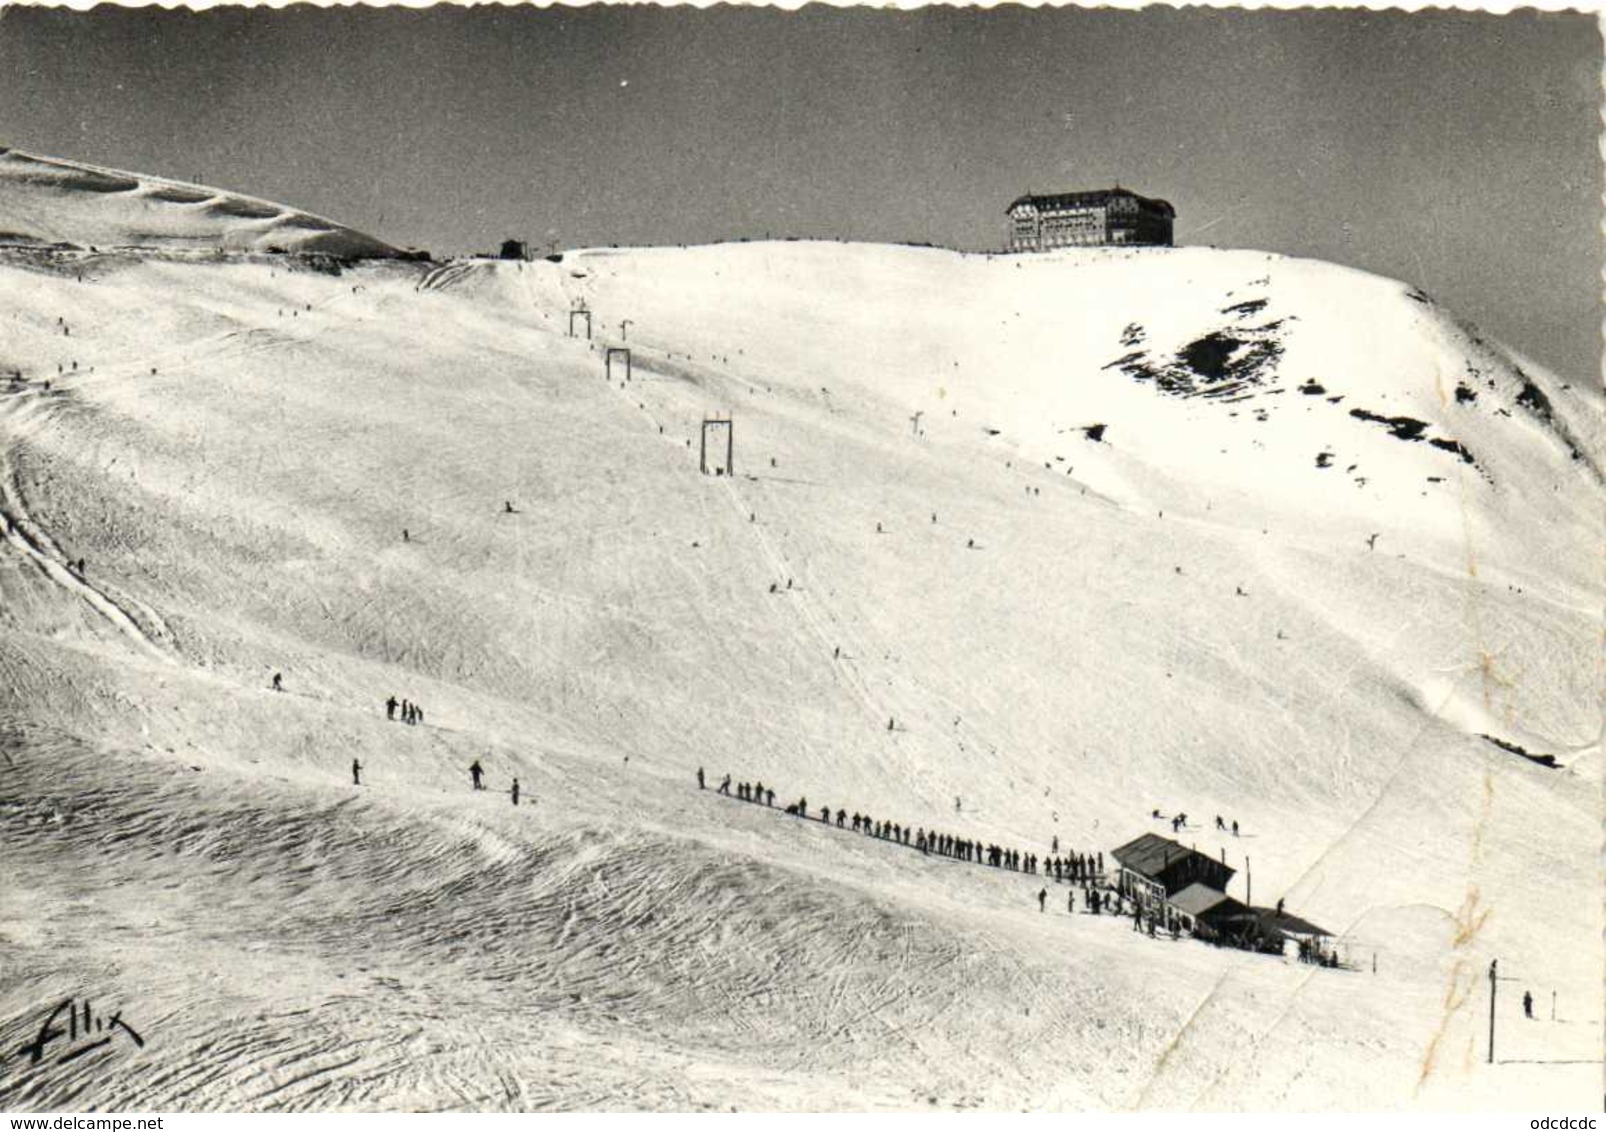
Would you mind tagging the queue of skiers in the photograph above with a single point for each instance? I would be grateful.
(1084, 871)
(1069, 867)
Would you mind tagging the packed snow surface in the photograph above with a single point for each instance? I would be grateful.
(1016, 548)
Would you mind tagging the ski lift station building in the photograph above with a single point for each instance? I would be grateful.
(1153, 869)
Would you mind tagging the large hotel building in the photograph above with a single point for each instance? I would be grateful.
(1087, 219)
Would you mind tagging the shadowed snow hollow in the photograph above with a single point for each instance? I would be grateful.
(47, 201)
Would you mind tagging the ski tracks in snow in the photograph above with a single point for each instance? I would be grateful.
(31, 540)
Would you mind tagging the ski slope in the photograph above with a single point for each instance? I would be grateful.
(1185, 610)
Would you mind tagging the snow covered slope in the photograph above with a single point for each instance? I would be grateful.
(48, 201)
(1063, 522)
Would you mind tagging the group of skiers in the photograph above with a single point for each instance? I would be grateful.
(1180, 822)
(1311, 951)
(476, 778)
(410, 712)
(1098, 901)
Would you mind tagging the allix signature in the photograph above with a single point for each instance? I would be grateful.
(83, 1032)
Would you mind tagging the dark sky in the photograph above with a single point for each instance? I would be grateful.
(1454, 150)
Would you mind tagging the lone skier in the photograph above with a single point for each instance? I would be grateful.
(515, 791)
(1527, 1004)
(278, 682)
(1042, 899)
(701, 784)
(475, 773)
(356, 773)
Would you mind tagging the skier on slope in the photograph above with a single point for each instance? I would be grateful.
(1042, 899)
(475, 773)
(515, 791)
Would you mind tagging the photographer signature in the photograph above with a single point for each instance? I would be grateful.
(82, 1032)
